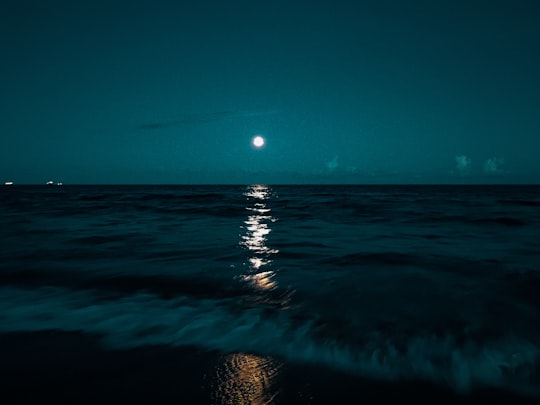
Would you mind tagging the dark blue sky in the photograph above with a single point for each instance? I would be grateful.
(344, 92)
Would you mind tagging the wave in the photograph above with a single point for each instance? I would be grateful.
(505, 361)
(108, 284)
(523, 203)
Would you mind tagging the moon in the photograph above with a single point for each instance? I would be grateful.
(258, 141)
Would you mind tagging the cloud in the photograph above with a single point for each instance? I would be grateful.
(155, 125)
(333, 164)
(193, 119)
(493, 165)
(463, 164)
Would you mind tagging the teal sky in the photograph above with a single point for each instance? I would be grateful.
(344, 92)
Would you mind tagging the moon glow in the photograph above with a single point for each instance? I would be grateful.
(258, 141)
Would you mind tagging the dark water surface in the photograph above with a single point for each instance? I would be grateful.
(282, 294)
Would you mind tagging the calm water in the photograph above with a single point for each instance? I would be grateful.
(383, 282)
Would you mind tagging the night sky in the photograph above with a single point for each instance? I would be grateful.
(343, 92)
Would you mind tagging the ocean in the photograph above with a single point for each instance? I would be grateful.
(270, 294)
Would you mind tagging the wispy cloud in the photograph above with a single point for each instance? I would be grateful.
(463, 164)
(493, 166)
(333, 167)
(332, 164)
(193, 119)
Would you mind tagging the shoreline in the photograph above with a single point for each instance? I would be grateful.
(72, 367)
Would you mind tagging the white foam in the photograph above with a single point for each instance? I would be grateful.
(507, 361)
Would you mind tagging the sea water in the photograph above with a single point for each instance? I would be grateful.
(438, 284)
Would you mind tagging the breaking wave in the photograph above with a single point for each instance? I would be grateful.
(448, 358)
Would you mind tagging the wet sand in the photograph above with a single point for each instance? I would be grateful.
(74, 368)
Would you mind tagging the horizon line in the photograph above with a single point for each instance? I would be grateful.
(267, 184)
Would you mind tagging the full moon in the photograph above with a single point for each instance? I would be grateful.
(258, 141)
